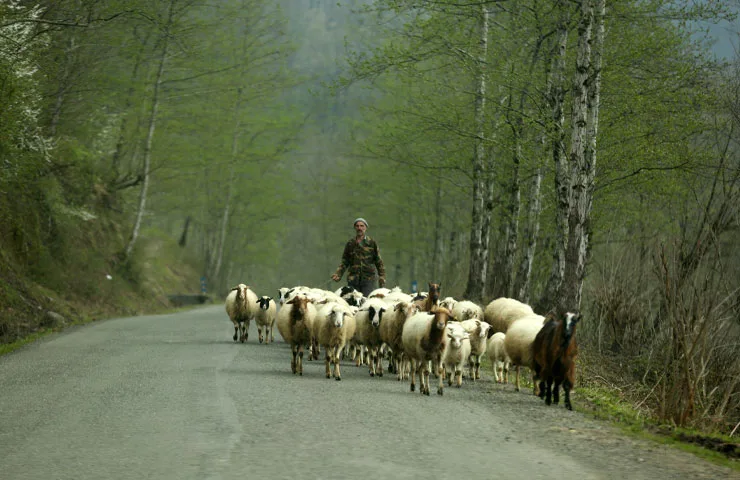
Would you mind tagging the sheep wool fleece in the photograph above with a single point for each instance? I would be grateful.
(361, 260)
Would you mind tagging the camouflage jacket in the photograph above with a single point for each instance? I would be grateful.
(361, 260)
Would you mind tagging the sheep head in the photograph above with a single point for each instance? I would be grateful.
(376, 314)
(264, 302)
(456, 335)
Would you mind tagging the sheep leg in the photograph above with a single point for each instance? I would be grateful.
(548, 392)
(517, 378)
(477, 367)
(327, 362)
(315, 350)
(259, 334)
(245, 330)
(337, 372)
(399, 367)
(441, 376)
(293, 359)
(379, 363)
(300, 360)
(272, 332)
(372, 353)
(458, 372)
(413, 376)
(471, 367)
(236, 331)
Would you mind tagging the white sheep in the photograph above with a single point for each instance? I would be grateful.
(265, 318)
(502, 312)
(396, 295)
(295, 323)
(367, 334)
(497, 355)
(466, 310)
(518, 343)
(456, 352)
(478, 331)
(333, 328)
(287, 293)
(379, 292)
(391, 330)
(241, 307)
(424, 339)
(448, 303)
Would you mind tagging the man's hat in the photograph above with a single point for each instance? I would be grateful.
(360, 219)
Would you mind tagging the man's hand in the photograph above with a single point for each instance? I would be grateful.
(335, 277)
(381, 282)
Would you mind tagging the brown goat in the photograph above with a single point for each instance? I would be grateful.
(554, 351)
(431, 300)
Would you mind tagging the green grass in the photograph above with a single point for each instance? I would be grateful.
(606, 404)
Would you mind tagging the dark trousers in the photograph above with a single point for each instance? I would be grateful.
(365, 285)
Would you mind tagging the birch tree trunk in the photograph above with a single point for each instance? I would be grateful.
(481, 176)
(569, 297)
(150, 131)
(229, 187)
(555, 98)
(521, 285)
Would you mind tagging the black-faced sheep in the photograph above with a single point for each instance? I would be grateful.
(368, 319)
(295, 323)
(265, 318)
(424, 339)
(241, 306)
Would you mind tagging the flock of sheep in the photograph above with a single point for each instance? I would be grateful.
(417, 335)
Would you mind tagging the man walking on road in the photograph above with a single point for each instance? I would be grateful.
(361, 259)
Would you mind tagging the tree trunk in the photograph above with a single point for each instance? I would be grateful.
(581, 172)
(481, 177)
(555, 98)
(437, 254)
(64, 80)
(128, 103)
(150, 132)
(521, 286)
(229, 185)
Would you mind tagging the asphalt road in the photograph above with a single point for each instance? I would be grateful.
(173, 397)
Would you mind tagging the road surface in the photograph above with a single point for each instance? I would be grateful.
(173, 397)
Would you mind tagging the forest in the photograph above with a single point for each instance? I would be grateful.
(580, 155)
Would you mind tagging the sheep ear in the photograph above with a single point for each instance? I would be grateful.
(235, 288)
